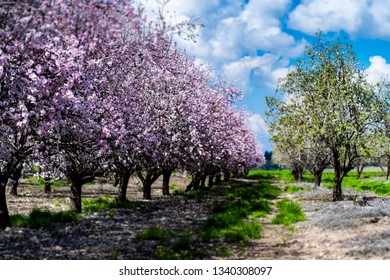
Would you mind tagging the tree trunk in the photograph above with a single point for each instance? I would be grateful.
(195, 182)
(318, 171)
(359, 169)
(15, 175)
(298, 172)
(318, 178)
(47, 185)
(166, 177)
(14, 187)
(147, 181)
(4, 215)
(116, 179)
(388, 171)
(76, 183)
(123, 181)
(218, 178)
(338, 179)
(211, 181)
(203, 181)
(75, 197)
(226, 176)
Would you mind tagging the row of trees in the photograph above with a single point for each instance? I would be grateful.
(95, 87)
(327, 113)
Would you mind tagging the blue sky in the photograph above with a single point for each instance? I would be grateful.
(256, 42)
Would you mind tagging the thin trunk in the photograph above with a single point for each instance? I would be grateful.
(116, 179)
(359, 170)
(195, 182)
(318, 178)
(166, 177)
(226, 176)
(388, 171)
(15, 175)
(75, 196)
(211, 181)
(338, 178)
(76, 183)
(47, 185)
(147, 182)
(123, 181)
(4, 215)
(14, 187)
(203, 181)
(298, 172)
(218, 178)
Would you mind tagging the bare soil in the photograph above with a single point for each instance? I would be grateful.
(332, 230)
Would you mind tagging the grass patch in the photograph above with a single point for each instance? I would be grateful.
(370, 180)
(155, 233)
(43, 218)
(272, 175)
(293, 189)
(290, 212)
(232, 219)
(40, 182)
(105, 203)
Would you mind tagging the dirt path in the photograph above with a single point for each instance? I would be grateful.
(332, 230)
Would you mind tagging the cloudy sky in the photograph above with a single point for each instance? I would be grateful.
(255, 42)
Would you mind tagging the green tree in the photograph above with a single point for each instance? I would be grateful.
(333, 103)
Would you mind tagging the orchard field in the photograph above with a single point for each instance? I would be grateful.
(116, 144)
(265, 215)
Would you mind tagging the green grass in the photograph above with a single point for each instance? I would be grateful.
(271, 175)
(370, 180)
(289, 213)
(43, 218)
(155, 233)
(233, 219)
(40, 182)
(105, 203)
(293, 189)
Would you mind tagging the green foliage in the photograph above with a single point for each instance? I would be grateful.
(290, 212)
(155, 233)
(43, 219)
(106, 202)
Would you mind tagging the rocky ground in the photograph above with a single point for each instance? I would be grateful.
(333, 230)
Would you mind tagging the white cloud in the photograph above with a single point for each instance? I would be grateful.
(327, 15)
(258, 124)
(357, 17)
(261, 70)
(378, 69)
